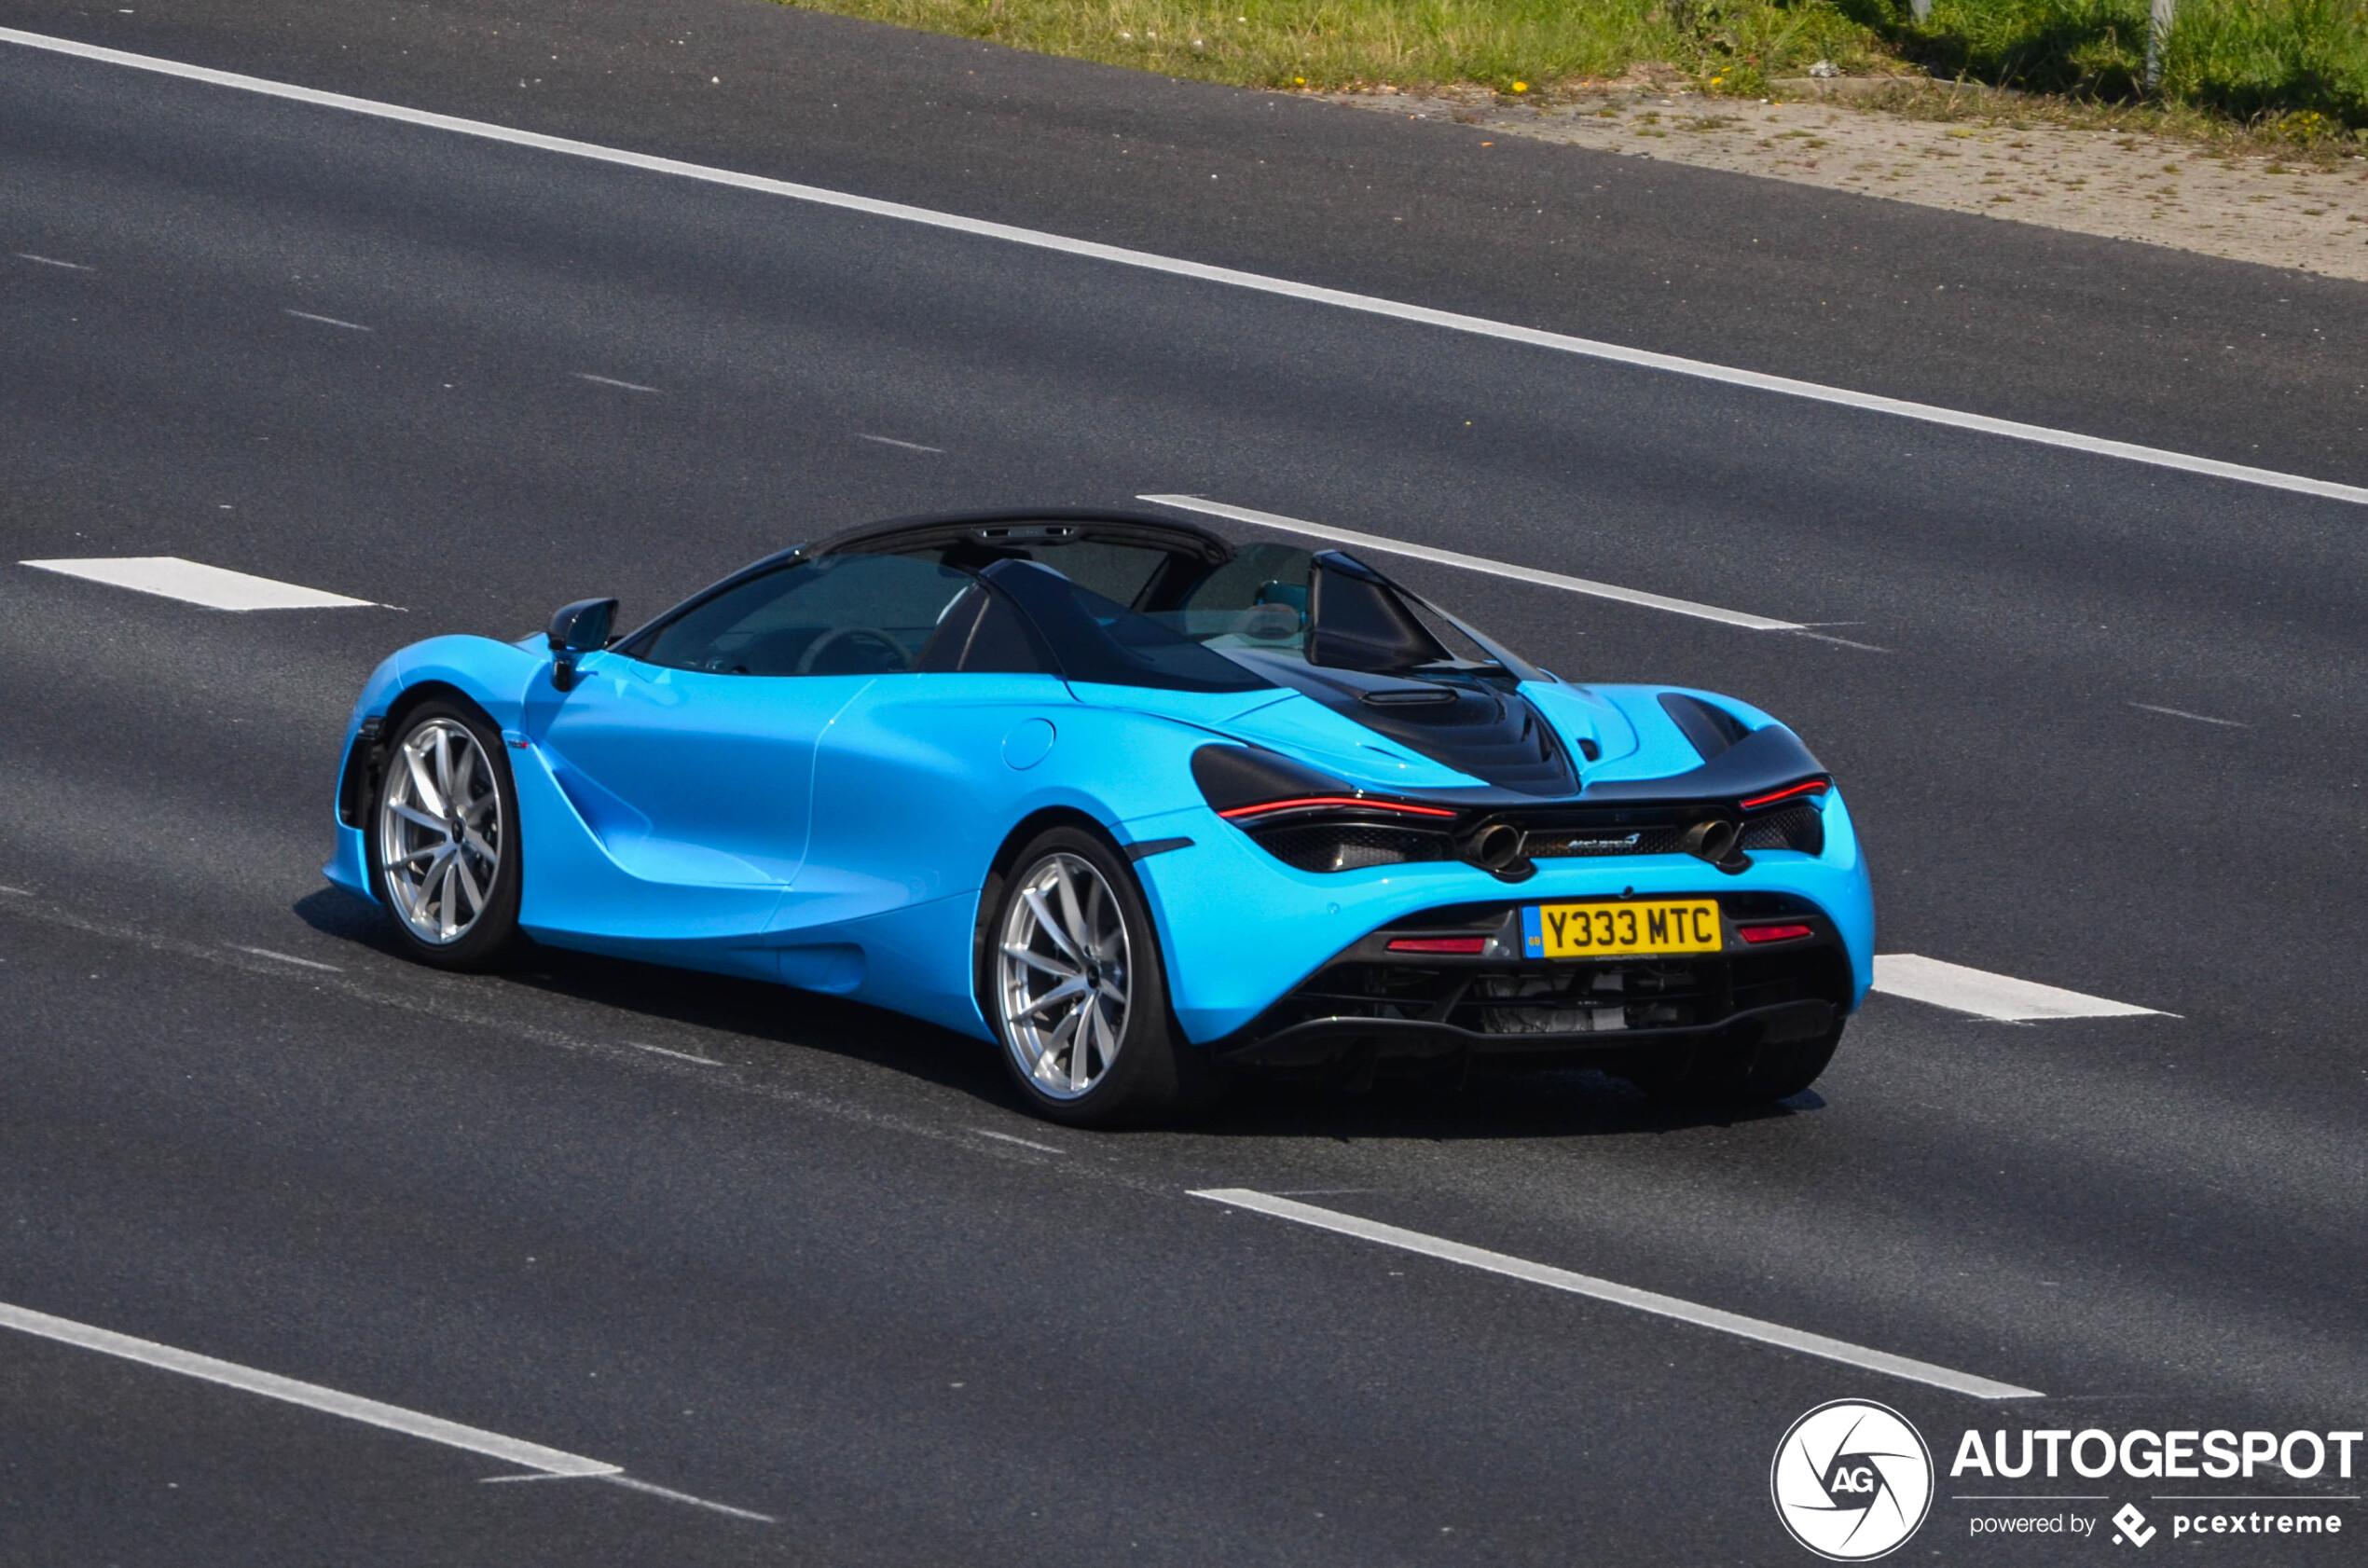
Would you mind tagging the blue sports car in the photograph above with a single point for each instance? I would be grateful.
(1142, 806)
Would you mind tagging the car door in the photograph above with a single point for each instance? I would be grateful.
(913, 783)
(690, 750)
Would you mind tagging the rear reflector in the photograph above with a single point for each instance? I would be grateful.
(1474, 945)
(1774, 933)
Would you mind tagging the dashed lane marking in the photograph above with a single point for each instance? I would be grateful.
(634, 1483)
(1024, 1143)
(52, 261)
(271, 1385)
(612, 381)
(1991, 995)
(350, 1407)
(331, 321)
(286, 958)
(1476, 563)
(1618, 1295)
(892, 441)
(193, 583)
(1783, 386)
(2199, 718)
(678, 1055)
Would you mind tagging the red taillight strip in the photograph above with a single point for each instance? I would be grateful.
(1774, 933)
(1262, 807)
(1814, 787)
(1474, 945)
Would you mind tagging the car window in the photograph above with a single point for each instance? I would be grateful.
(839, 615)
(1099, 640)
(984, 635)
(1116, 571)
(1258, 601)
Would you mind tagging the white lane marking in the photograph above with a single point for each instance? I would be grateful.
(52, 261)
(1990, 996)
(1477, 325)
(892, 441)
(1619, 1295)
(1840, 641)
(678, 1055)
(285, 958)
(634, 1483)
(329, 1401)
(1024, 1143)
(612, 381)
(624, 1480)
(331, 321)
(1478, 563)
(2199, 718)
(19, 892)
(214, 586)
(555, 1463)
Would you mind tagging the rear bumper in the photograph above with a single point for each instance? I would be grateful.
(1243, 933)
(1372, 1002)
(1324, 1042)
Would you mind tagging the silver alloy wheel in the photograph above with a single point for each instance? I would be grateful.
(440, 830)
(1061, 979)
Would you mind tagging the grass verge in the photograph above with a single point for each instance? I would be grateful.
(2296, 70)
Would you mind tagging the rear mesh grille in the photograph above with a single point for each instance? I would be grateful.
(1346, 847)
(1562, 999)
(1794, 827)
(1324, 844)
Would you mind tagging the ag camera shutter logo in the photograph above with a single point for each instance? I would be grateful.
(1851, 1481)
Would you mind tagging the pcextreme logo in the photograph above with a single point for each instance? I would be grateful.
(1851, 1481)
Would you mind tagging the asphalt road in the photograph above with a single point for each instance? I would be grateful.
(825, 1271)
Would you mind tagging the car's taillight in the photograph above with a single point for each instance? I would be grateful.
(1309, 803)
(1245, 782)
(1474, 946)
(1755, 934)
(1808, 788)
(1313, 822)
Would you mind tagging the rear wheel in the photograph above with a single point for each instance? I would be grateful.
(1075, 989)
(443, 843)
(1721, 1074)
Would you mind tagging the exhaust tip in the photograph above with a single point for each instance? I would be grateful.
(1495, 846)
(1714, 840)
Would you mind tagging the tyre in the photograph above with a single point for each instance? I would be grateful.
(1074, 987)
(443, 840)
(1722, 1074)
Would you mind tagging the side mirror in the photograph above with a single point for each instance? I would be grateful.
(578, 629)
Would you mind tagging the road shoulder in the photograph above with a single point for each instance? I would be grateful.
(2309, 215)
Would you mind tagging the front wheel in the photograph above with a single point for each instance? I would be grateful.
(444, 840)
(1073, 984)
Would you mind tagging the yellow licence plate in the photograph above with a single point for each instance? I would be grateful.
(1596, 930)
